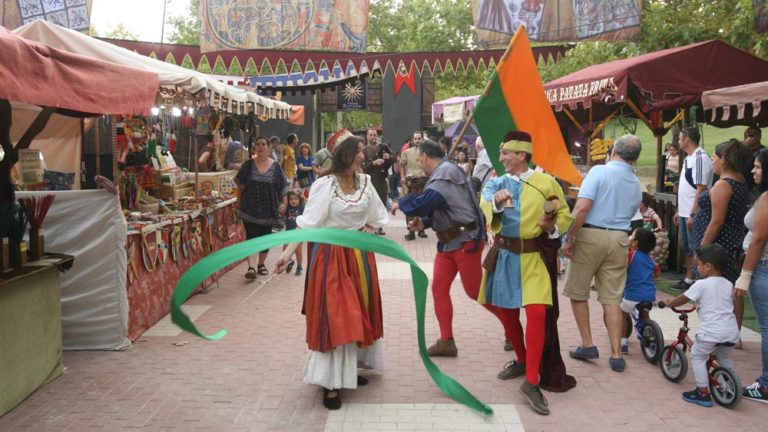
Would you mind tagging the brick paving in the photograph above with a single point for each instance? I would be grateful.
(252, 379)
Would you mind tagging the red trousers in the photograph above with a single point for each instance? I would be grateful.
(468, 266)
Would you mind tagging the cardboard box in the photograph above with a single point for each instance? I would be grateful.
(174, 192)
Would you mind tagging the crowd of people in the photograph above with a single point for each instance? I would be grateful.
(502, 235)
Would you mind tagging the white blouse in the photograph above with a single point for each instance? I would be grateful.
(329, 207)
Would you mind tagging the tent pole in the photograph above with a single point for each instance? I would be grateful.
(197, 167)
(660, 164)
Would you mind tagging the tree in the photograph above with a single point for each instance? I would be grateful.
(119, 32)
(667, 24)
(187, 27)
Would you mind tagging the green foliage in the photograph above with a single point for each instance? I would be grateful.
(187, 27)
(420, 25)
(119, 32)
(671, 23)
(352, 120)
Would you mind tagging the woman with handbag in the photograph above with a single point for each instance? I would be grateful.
(722, 209)
(305, 170)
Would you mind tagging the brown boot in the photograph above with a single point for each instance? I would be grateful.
(443, 348)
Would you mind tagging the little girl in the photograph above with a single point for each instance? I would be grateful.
(294, 210)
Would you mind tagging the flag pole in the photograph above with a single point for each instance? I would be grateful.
(485, 92)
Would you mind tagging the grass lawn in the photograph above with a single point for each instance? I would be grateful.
(750, 321)
(711, 136)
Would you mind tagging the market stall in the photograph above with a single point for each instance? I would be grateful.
(740, 105)
(30, 324)
(171, 216)
(655, 87)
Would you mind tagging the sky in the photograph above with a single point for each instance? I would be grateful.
(141, 17)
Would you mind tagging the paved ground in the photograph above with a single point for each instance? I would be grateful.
(252, 379)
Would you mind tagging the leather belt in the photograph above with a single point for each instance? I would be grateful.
(517, 245)
(586, 225)
(445, 236)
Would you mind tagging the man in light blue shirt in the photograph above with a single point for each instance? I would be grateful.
(597, 244)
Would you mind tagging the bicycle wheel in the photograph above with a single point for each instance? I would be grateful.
(725, 387)
(652, 342)
(675, 367)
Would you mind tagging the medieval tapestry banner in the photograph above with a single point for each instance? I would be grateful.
(340, 25)
(72, 14)
(555, 20)
(761, 15)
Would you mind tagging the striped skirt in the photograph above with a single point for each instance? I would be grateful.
(342, 301)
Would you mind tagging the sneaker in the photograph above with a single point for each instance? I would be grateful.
(625, 349)
(422, 234)
(410, 236)
(290, 265)
(535, 399)
(443, 348)
(756, 393)
(508, 345)
(588, 353)
(617, 364)
(682, 285)
(511, 370)
(298, 270)
(381, 232)
(695, 397)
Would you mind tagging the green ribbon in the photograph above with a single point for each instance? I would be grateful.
(203, 269)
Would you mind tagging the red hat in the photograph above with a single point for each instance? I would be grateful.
(338, 137)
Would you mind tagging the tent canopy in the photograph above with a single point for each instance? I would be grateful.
(454, 130)
(661, 81)
(739, 105)
(453, 109)
(170, 75)
(82, 84)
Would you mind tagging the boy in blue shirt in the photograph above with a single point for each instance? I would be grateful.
(640, 273)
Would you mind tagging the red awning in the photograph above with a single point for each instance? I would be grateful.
(659, 81)
(37, 74)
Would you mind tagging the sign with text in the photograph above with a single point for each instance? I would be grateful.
(352, 96)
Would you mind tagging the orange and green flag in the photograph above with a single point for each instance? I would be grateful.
(515, 100)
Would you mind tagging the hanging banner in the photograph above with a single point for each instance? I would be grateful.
(72, 14)
(340, 25)
(352, 96)
(453, 113)
(761, 15)
(555, 20)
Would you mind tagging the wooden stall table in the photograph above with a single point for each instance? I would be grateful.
(30, 328)
(156, 262)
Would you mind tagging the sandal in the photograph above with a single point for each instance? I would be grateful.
(263, 270)
(250, 274)
(331, 402)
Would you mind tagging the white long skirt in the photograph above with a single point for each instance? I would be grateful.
(338, 368)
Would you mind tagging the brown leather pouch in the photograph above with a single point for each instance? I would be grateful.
(489, 262)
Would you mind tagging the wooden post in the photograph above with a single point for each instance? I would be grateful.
(660, 163)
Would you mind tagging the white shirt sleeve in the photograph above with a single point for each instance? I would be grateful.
(318, 205)
(377, 215)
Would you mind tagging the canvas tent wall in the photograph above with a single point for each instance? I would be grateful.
(739, 105)
(42, 81)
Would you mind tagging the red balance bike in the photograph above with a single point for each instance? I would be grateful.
(724, 384)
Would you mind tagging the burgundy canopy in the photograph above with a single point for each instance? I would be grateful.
(659, 81)
(37, 74)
